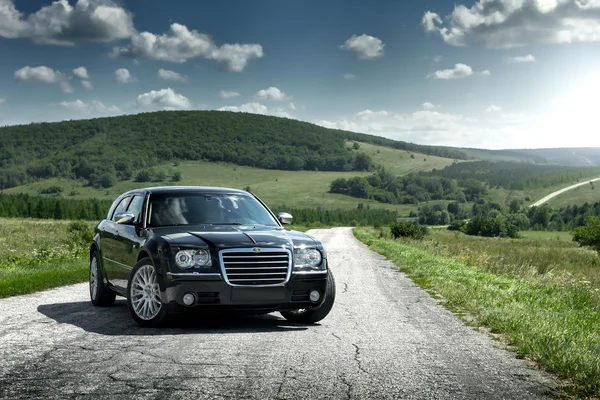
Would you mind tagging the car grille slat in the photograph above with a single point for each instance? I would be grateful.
(247, 267)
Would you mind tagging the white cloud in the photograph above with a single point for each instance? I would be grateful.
(271, 93)
(514, 23)
(427, 106)
(93, 107)
(426, 126)
(66, 87)
(44, 74)
(39, 74)
(459, 71)
(168, 75)
(486, 72)
(122, 75)
(228, 95)
(164, 99)
(438, 59)
(292, 106)
(61, 23)
(258, 108)
(348, 76)
(493, 109)
(367, 47)
(179, 45)
(530, 58)
(81, 73)
(87, 84)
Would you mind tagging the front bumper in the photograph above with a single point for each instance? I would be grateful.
(214, 294)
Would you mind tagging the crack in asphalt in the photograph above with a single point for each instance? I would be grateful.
(357, 358)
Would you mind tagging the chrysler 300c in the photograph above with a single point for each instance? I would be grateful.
(212, 249)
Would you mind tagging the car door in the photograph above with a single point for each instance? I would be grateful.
(109, 239)
(129, 239)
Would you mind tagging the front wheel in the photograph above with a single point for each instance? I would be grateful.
(100, 294)
(312, 315)
(143, 295)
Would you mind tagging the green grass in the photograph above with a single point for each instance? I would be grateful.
(542, 295)
(545, 235)
(583, 194)
(400, 162)
(40, 254)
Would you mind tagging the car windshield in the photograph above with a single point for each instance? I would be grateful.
(203, 208)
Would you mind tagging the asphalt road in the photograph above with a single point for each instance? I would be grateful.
(561, 191)
(385, 339)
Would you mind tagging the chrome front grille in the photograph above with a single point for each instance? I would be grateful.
(248, 267)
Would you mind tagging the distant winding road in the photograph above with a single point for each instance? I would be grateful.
(385, 339)
(552, 195)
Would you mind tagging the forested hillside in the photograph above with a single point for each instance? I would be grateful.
(104, 150)
(515, 176)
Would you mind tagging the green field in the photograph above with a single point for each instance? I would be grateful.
(400, 162)
(542, 296)
(41, 254)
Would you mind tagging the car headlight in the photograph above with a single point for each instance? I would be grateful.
(308, 260)
(186, 259)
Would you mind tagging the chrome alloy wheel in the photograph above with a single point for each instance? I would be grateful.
(145, 294)
(94, 278)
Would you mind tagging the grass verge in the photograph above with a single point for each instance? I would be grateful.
(554, 324)
(42, 254)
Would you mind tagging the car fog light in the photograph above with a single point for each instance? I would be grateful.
(189, 299)
(314, 296)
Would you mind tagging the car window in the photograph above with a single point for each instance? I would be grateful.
(190, 209)
(136, 206)
(121, 207)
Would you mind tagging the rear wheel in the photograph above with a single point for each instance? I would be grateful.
(143, 295)
(100, 294)
(312, 315)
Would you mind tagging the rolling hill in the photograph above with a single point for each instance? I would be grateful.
(286, 162)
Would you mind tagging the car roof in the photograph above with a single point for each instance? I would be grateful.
(188, 189)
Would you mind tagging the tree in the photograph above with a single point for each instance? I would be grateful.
(107, 180)
(515, 205)
(356, 146)
(176, 177)
(143, 176)
(589, 234)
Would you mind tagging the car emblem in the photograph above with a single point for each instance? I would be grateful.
(256, 250)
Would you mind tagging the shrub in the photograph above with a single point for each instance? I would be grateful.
(490, 227)
(457, 225)
(589, 234)
(51, 190)
(408, 229)
(107, 180)
(81, 233)
(176, 177)
(143, 176)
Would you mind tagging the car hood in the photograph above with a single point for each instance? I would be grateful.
(221, 237)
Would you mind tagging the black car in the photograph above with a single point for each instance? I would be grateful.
(212, 249)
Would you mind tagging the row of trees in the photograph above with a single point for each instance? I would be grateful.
(409, 189)
(25, 206)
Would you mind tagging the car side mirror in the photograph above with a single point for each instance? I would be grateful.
(124, 218)
(285, 218)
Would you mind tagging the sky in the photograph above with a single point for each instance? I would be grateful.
(472, 73)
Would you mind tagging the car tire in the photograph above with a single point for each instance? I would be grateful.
(143, 295)
(100, 294)
(310, 316)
